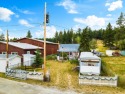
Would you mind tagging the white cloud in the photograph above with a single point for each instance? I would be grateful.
(23, 11)
(76, 27)
(69, 5)
(27, 12)
(92, 21)
(50, 32)
(109, 15)
(17, 16)
(25, 23)
(114, 5)
(5, 14)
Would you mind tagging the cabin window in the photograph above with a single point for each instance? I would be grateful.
(4, 52)
(14, 53)
(90, 63)
(28, 52)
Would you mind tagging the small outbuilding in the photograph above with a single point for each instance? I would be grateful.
(13, 61)
(51, 47)
(70, 49)
(90, 64)
(16, 48)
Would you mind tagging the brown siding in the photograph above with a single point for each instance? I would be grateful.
(11, 49)
(16, 49)
(50, 48)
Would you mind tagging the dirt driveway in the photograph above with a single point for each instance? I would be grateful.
(13, 87)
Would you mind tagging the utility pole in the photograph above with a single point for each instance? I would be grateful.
(7, 49)
(45, 78)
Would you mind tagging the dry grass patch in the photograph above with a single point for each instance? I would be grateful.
(62, 76)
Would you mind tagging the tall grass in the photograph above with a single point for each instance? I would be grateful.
(106, 70)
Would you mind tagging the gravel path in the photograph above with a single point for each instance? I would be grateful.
(13, 87)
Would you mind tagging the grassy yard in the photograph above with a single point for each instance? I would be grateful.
(63, 77)
(100, 46)
(117, 65)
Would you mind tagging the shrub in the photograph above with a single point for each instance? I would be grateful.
(38, 59)
(51, 57)
(74, 61)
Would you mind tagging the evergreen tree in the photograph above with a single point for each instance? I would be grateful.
(56, 37)
(60, 37)
(85, 39)
(38, 59)
(29, 34)
(77, 39)
(121, 20)
(71, 36)
(93, 44)
(109, 36)
(2, 37)
(64, 37)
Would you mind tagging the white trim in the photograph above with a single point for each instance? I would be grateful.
(28, 52)
(4, 52)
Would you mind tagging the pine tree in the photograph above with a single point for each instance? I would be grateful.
(29, 34)
(93, 44)
(2, 37)
(85, 39)
(60, 37)
(64, 37)
(56, 37)
(121, 20)
(109, 36)
(38, 60)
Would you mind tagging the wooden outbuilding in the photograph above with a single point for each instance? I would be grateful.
(16, 48)
(51, 48)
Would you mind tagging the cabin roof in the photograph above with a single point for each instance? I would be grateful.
(3, 56)
(68, 48)
(88, 56)
(23, 45)
(37, 40)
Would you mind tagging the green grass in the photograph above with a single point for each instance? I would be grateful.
(100, 46)
(117, 66)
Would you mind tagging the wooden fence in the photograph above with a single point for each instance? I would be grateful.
(98, 80)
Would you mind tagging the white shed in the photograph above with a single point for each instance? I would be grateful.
(90, 64)
(28, 59)
(13, 60)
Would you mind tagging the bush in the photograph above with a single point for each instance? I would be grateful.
(51, 57)
(74, 61)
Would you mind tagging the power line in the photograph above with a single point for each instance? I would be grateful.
(17, 25)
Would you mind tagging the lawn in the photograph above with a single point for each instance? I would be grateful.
(100, 46)
(117, 65)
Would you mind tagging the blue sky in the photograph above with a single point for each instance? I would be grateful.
(19, 16)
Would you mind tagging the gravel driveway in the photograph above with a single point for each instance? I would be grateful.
(13, 87)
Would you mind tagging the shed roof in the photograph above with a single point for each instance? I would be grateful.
(88, 56)
(3, 56)
(23, 45)
(68, 47)
(37, 40)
